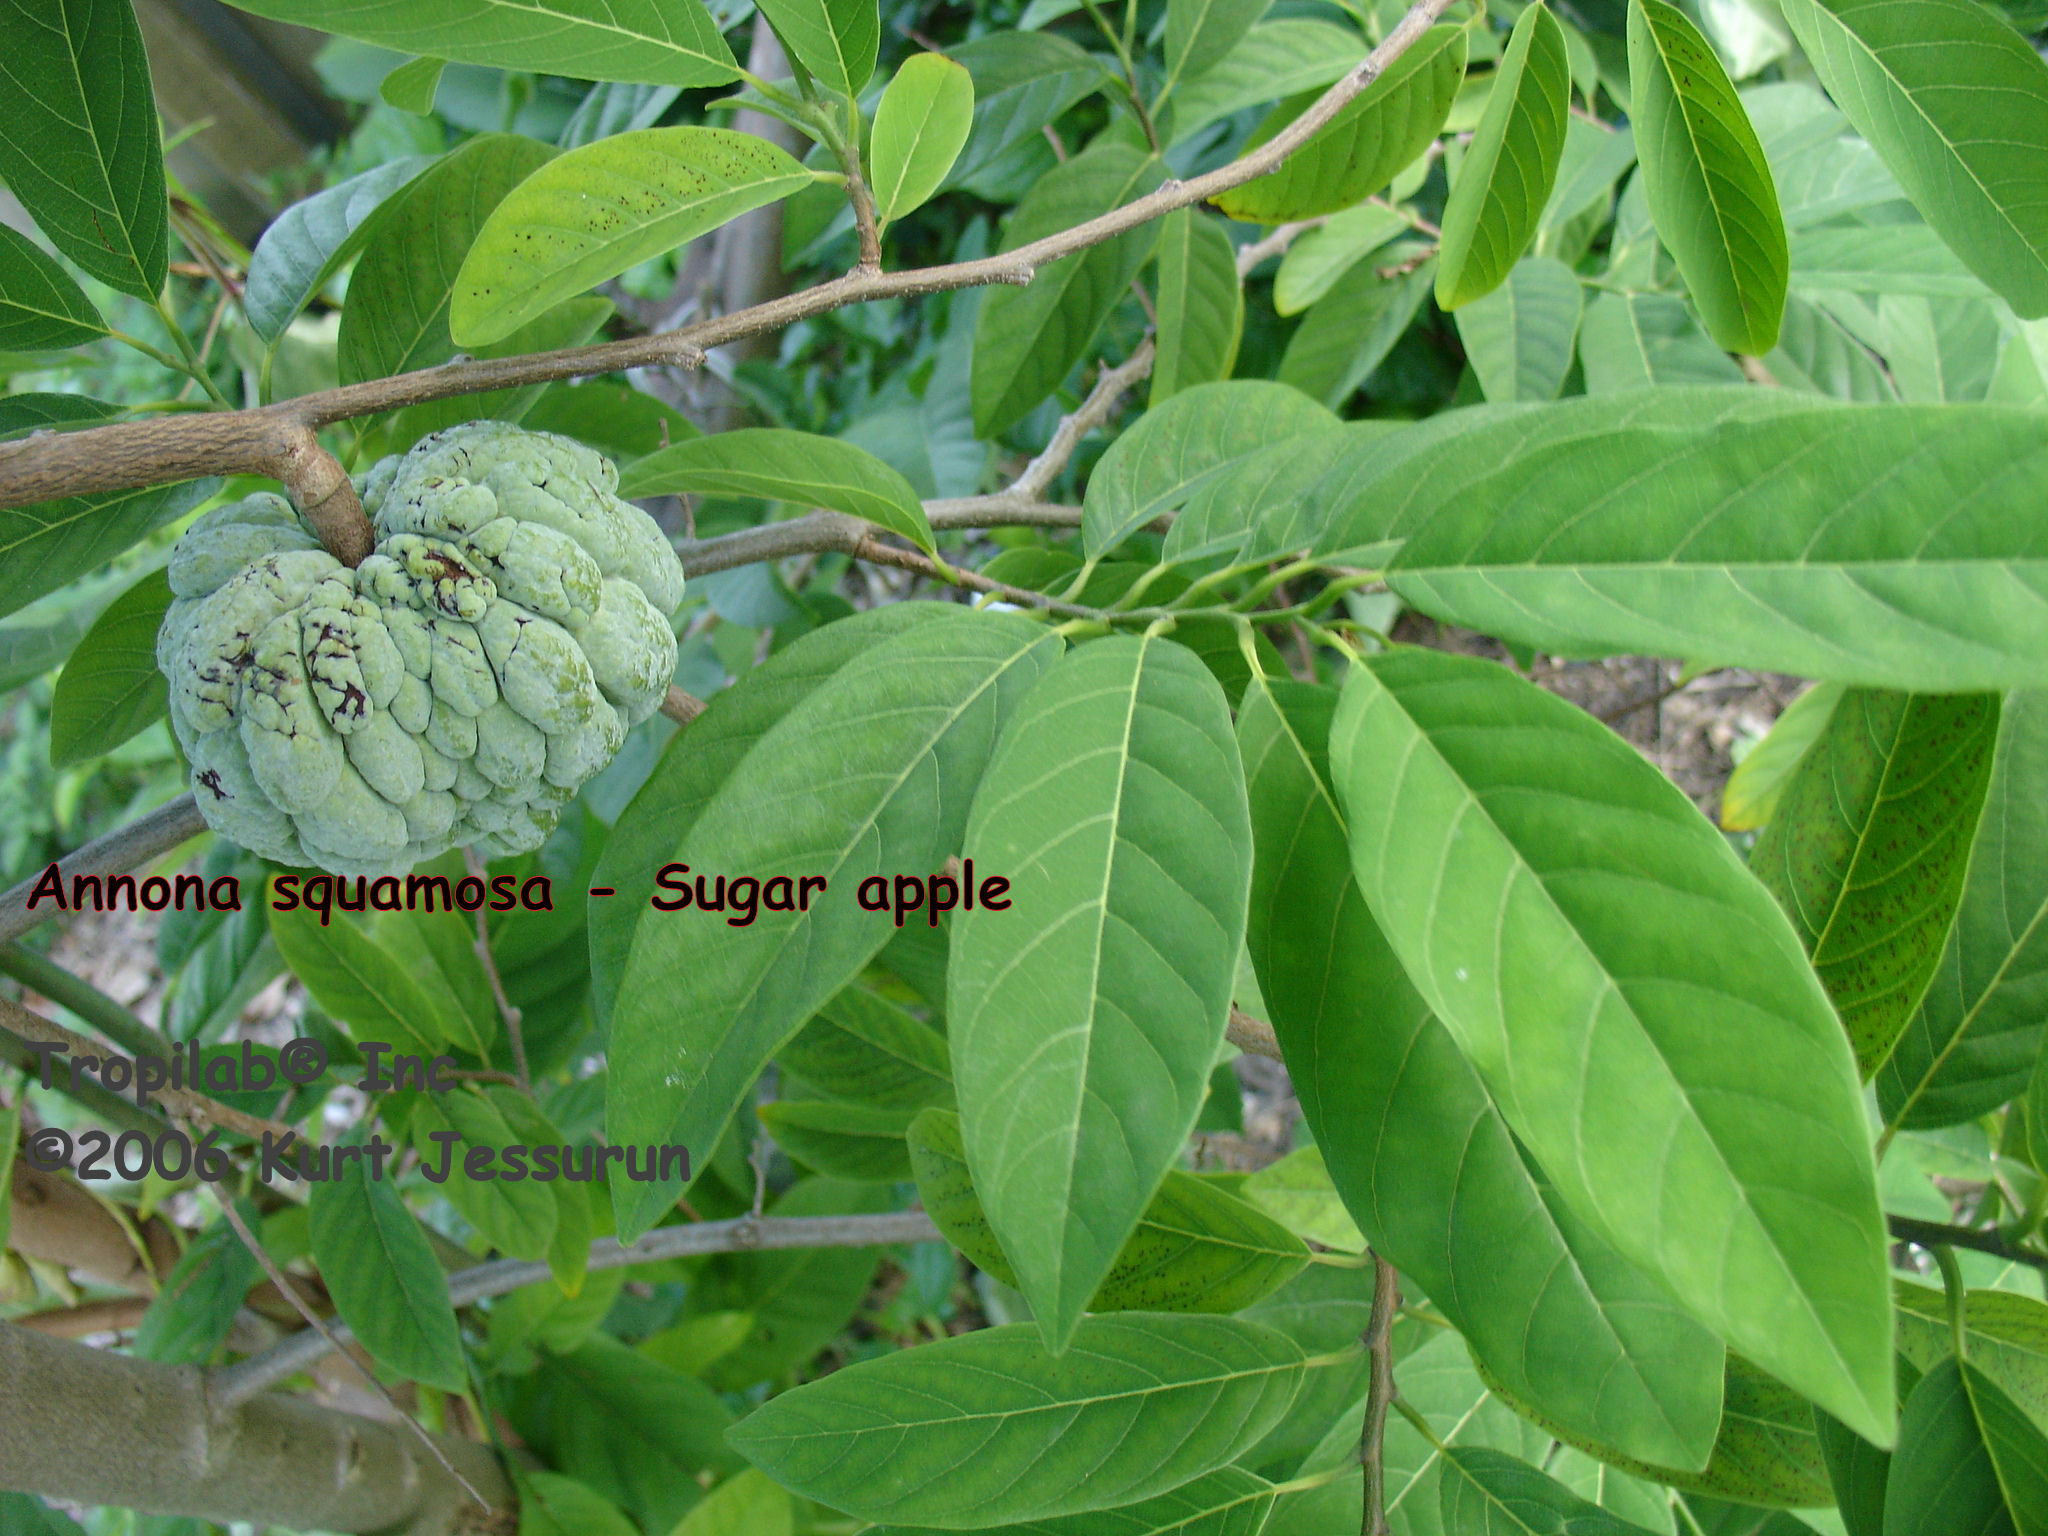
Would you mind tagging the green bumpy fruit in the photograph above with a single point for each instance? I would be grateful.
(457, 687)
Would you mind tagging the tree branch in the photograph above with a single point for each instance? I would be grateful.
(124, 848)
(1254, 1037)
(238, 1383)
(260, 441)
(1933, 1234)
(1379, 1397)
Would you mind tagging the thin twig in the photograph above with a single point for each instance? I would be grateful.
(124, 848)
(1254, 1037)
(682, 707)
(1102, 400)
(1933, 1234)
(507, 1010)
(1380, 1394)
(1275, 244)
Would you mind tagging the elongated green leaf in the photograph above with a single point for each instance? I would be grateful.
(1439, 1382)
(1227, 1502)
(1196, 1248)
(1022, 82)
(860, 1142)
(516, 1216)
(647, 42)
(1514, 850)
(872, 780)
(1955, 101)
(1275, 59)
(1630, 341)
(1868, 849)
(920, 126)
(1487, 1493)
(1892, 547)
(1508, 173)
(382, 1275)
(1350, 330)
(1026, 340)
(781, 465)
(1519, 337)
(1131, 930)
(1968, 1459)
(619, 421)
(190, 1317)
(1816, 352)
(1248, 503)
(987, 1429)
(110, 687)
(411, 86)
(1317, 261)
(1709, 185)
(1421, 1154)
(1758, 782)
(1979, 1028)
(396, 318)
(44, 546)
(864, 1049)
(1359, 151)
(78, 137)
(836, 40)
(311, 240)
(1189, 440)
(1900, 258)
(1201, 33)
(2006, 1335)
(357, 981)
(1857, 1471)
(1298, 1190)
(553, 1505)
(1201, 304)
(41, 305)
(593, 212)
(745, 1504)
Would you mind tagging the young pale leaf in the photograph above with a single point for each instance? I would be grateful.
(1507, 175)
(311, 240)
(1486, 1493)
(382, 1275)
(646, 42)
(1956, 101)
(1196, 1248)
(1319, 259)
(1201, 33)
(1420, 1151)
(110, 687)
(1869, 847)
(986, 1429)
(871, 779)
(1758, 782)
(781, 465)
(412, 85)
(1227, 1502)
(593, 212)
(1359, 151)
(860, 1142)
(1201, 304)
(920, 125)
(553, 1505)
(41, 305)
(1968, 1459)
(1298, 1190)
(78, 138)
(1519, 337)
(45, 545)
(1026, 340)
(1709, 185)
(1979, 1028)
(863, 1049)
(836, 40)
(745, 1504)
(1514, 850)
(190, 1317)
(1893, 547)
(1081, 1074)
(1190, 440)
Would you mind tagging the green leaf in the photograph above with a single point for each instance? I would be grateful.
(1027, 340)
(356, 980)
(30, 1516)
(396, 318)
(1954, 100)
(1201, 304)
(590, 213)
(1815, 352)
(1900, 258)
(515, 1216)
(1298, 1191)
(1275, 59)
(568, 1251)
(310, 241)
(47, 545)
(1631, 341)
(1348, 332)
(1132, 931)
(1893, 547)
(863, 1049)
(873, 779)
(1758, 782)
(1196, 1248)
(2007, 1336)
(1968, 1459)
(1869, 847)
(860, 1142)
(1200, 34)
(10, 1132)
(1227, 1502)
(987, 1429)
(1487, 1493)
(78, 138)
(381, 1273)
(1250, 501)
(1360, 150)
(412, 85)
(836, 40)
(780, 465)
(1519, 337)
(646, 42)
(1709, 185)
(696, 1343)
(745, 1504)
(1321, 258)
(110, 687)
(1857, 1471)
(1973, 1042)
(41, 305)
(1419, 1150)
(190, 1317)
(1514, 851)
(1506, 177)
(921, 124)
(553, 1505)
(621, 422)
(1177, 448)
(1022, 82)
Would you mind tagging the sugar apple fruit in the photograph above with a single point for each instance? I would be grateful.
(457, 687)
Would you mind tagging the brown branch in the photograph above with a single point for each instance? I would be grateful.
(258, 441)
(1094, 411)
(507, 1010)
(58, 1221)
(682, 707)
(125, 848)
(1275, 244)
(1379, 1397)
(1254, 1037)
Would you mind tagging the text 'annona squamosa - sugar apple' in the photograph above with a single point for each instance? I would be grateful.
(457, 687)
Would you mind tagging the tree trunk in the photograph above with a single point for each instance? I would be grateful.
(100, 1428)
